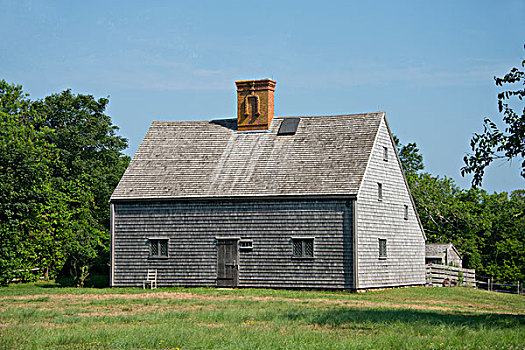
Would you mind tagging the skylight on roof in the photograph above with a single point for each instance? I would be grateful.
(288, 126)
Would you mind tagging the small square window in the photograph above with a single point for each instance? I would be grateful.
(385, 154)
(382, 248)
(380, 191)
(158, 248)
(245, 244)
(406, 212)
(303, 247)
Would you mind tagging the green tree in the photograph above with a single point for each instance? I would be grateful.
(494, 143)
(26, 241)
(505, 243)
(486, 228)
(448, 214)
(91, 164)
(60, 159)
(410, 156)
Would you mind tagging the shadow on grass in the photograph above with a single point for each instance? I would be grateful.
(345, 316)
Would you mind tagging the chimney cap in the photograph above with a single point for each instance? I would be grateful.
(267, 83)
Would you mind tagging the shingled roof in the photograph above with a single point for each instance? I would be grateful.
(195, 159)
(437, 250)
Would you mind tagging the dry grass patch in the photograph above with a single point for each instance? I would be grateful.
(83, 300)
(258, 319)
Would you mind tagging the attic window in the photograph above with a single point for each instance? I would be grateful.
(288, 126)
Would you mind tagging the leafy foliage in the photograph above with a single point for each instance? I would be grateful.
(487, 229)
(60, 158)
(493, 143)
(411, 159)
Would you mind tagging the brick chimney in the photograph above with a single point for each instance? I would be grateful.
(254, 104)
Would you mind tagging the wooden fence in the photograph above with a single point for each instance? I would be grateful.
(440, 275)
(490, 285)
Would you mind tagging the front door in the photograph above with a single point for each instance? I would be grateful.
(227, 267)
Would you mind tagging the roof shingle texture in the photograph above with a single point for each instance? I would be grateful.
(436, 249)
(326, 156)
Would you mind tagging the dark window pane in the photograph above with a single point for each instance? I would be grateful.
(297, 248)
(154, 247)
(303, 247)
(164, 248)
(158, 247)
(382, 248)
(309, 247)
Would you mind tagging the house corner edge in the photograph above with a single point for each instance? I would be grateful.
(112, 244)
(355, 250)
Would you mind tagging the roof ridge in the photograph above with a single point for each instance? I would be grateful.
(276, 116)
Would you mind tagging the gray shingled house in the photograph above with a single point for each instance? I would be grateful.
(442, 253)
(264, 201)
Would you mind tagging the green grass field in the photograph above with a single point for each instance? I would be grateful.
(48, 316)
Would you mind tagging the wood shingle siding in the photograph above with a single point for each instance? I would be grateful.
(203, 185)
(193, 228)
(385, 219)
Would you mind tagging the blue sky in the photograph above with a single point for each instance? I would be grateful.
(428, 64)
